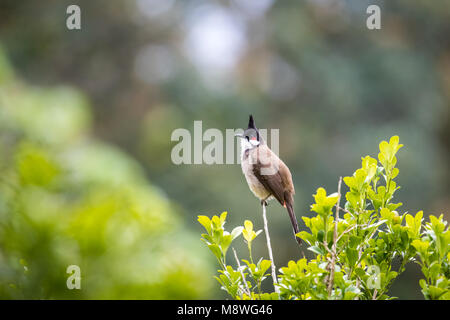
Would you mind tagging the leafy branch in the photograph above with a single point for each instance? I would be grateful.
(354, 253)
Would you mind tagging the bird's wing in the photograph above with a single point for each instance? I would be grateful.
(272, 182)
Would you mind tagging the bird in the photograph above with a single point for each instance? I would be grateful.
(267, 175)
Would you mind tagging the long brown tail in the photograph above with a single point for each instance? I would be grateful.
(294, 222)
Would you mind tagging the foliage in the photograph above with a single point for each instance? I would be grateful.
(354, 255)
(434, 253)
(234, 281)
(69, 199)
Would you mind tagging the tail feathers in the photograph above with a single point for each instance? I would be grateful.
(291, 212)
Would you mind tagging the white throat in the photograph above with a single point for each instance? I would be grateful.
(247, 145)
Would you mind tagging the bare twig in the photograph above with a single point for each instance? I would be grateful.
(269, 247)
(335, 238)
(326, 247)
(345, 210)
(242, 274)
(374, 297)
(345, 231)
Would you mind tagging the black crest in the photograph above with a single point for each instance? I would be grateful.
(251, 130)
(251, 123)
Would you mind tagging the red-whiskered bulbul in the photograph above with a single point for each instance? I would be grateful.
(267, 176)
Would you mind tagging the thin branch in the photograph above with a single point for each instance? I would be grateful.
(335, 238)
(269, 247)
(242, 274)
(374, 297)
(344, 232)
(345, 210)
(326, 247)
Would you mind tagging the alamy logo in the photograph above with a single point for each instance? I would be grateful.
(373, 22)
(74, 280)
(73, 22)
(374, 280)
(220, 148)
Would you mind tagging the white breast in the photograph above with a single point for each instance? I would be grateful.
(255, 186)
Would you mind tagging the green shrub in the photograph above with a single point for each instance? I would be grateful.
(354, 245)
(69, 199)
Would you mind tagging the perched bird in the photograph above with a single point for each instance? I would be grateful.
(267, 176)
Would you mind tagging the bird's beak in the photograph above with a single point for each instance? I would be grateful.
(239, 135)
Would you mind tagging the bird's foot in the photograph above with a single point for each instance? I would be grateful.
(264, 203)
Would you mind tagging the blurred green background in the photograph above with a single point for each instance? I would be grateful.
(86, 117)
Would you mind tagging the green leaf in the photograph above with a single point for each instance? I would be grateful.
(324, 203)
(320, 235)
(352, 256)
(369, 165)
(205, 222)
(353, 199)
(225, 242)
(215, 250)
(248, 233)
(360, 272)
(306, 236)
(316, 250)
(421, 246)
(394, 173)
(223, 217)
(434, 269)
(350, 182)
(264, 265)
(423, 284)
(354, 241)
(269, 296)
(435, 292)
